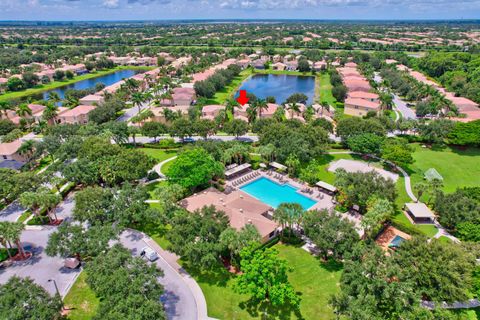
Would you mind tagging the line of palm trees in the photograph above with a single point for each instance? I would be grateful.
(10, 233)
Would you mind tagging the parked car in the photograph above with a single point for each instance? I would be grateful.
(149, 253)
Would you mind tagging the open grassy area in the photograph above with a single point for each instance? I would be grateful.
(229, 91)
(81, 299)
(159, 154)
(458, 167)
(324, 88)
(314, 281)
(57, 84)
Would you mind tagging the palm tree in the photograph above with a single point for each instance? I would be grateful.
(293, 108)
(231, 105)
(26, 149)
(131, 85)
(5, 106)
(280, 217)
(252, 113)
(138, 99)
(290, 214)
(261, 105)
(4, 237)
(23, 110)
(420, 188)
(71, 102)
(14, 233)
(50, 112)
(325, 106)
(54, 97)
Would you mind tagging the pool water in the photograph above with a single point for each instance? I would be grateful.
(396, 242)
(274, 194)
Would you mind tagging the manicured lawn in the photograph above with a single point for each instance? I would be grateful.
(427, 229)
(56, 84)
(459, 168)
(24, 216)
(167, 165)
(159, 154)
(81, 299)
(325, 89)
(226, 93)
(314, 281)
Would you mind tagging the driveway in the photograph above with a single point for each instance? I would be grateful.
(41, 267)
(178, 299)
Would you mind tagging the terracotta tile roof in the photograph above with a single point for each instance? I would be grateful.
(362, 95)
(240, 208)
(7, 149)
(362, 103)
(213, 108)
(77, 111)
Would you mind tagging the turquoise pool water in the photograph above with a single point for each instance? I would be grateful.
(274, 194)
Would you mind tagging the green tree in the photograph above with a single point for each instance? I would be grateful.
(154, 129)
(367, 143)
(264, 278)
(234, 241)
(22, 299)
(439, 271)
(196, 236)
(73, 239)
(332, 235)
(131, 292)
(378, 211)
(236, 127)
(194, 168)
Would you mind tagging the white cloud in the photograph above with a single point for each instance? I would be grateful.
(111, 4)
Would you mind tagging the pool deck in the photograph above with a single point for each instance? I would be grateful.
(323, 201)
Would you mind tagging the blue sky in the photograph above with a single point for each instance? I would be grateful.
(227, 9)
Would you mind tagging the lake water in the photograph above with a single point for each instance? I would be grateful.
(279, 86)
(107, 80)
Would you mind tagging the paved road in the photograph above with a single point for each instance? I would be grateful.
(12, 212)
(40, 267)
(178, 298)
(131, 112)
(402, 107)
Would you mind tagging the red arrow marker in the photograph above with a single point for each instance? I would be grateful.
(242, 99)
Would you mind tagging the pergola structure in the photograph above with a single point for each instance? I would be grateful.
(278, 166)
(419, 212)
(326, 187)
(237, 170)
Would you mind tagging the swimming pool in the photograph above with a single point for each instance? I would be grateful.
(274, 194)
(396, 242)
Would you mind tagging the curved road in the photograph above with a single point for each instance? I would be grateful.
(183, 298)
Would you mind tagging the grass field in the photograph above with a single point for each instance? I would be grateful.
(459, 168)
(57, 84)
(81, 299)
(324, 88)
(159, 154)
(314, 281)
(226, 93)
(327, 176)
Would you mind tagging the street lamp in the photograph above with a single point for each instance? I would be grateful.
(56, 289)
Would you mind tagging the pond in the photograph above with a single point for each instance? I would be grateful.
(107, 80)
(279, 86)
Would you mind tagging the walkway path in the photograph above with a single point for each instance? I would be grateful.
(408, 188)
(158, 167)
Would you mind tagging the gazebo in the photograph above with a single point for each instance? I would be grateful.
(432, 174)
(419, 212)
